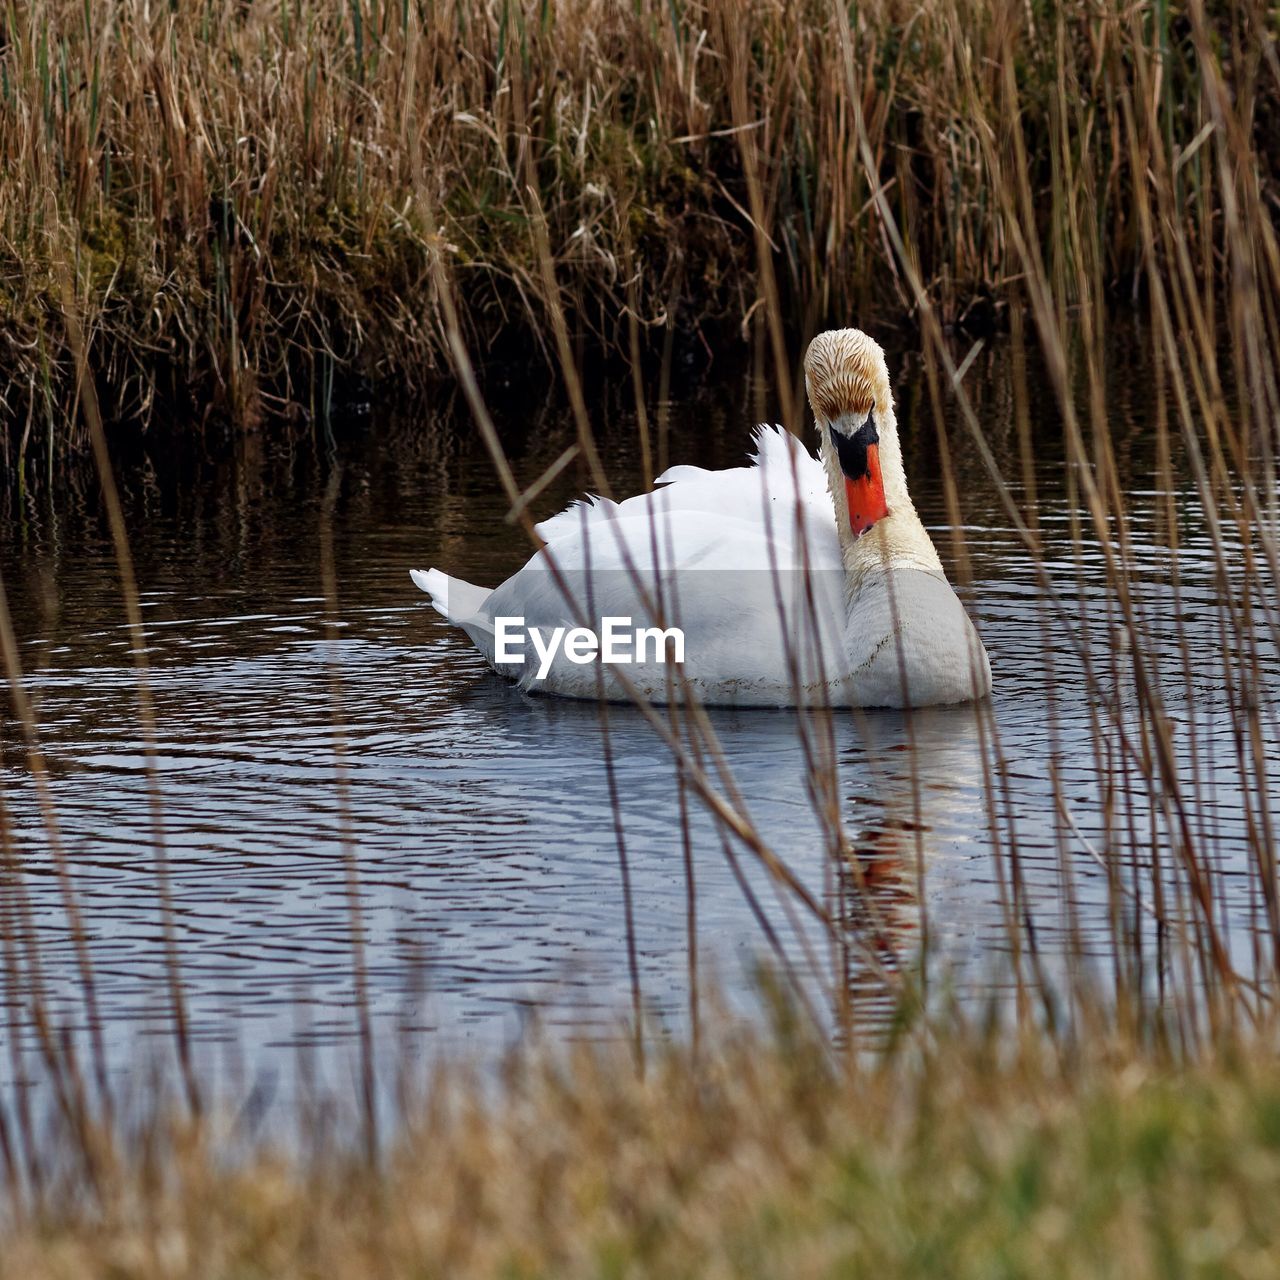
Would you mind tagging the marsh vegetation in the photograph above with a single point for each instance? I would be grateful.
(241, 204)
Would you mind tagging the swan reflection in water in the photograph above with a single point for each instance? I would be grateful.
(912, 811)
(914, 822)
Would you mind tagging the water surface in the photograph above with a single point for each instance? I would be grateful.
(480, 818)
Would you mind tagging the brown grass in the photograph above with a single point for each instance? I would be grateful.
(251, 195)
(761, 1160)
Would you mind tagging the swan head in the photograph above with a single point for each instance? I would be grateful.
(848, 384)
(896, 588)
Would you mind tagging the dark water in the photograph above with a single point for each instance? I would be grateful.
(480, 818)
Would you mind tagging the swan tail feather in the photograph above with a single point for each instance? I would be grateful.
(450, 597)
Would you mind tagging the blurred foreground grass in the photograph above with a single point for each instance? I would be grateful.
(764, 1159)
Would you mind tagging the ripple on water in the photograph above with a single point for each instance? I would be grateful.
(481, 818)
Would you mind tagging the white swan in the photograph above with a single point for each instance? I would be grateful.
(793, 580)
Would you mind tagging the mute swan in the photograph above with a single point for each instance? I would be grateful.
(793, 580)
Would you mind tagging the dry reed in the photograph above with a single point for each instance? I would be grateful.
(235, 187)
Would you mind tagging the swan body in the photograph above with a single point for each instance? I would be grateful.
(793, 580)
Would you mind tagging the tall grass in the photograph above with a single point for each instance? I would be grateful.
(1210, 287)
(252, 198)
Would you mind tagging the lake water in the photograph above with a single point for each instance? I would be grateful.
(481, 820)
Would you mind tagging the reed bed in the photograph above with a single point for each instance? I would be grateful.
(244, 203)
(579, 174)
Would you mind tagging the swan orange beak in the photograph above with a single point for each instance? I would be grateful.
(859, 455)
(866, 496)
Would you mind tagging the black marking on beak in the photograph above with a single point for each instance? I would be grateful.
(852, 450)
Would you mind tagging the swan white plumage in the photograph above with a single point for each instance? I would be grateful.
(793, 580)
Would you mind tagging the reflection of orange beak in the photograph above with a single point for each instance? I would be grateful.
(866, 495)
